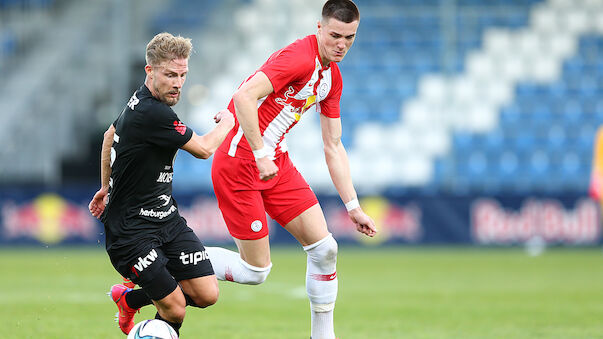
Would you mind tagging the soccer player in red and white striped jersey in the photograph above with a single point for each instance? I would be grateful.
(252, 173)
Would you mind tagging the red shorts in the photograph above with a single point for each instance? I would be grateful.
(244, 199)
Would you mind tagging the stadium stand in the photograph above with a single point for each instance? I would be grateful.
(66, 70)
(421, 75)
(456, 95)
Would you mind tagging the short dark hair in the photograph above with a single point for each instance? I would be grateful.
(342, 10)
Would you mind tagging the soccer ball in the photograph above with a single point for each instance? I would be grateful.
(152, 329)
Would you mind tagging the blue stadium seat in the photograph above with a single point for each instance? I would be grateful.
(462, 142)
(387, 66)
(8, 43)
(495, 141)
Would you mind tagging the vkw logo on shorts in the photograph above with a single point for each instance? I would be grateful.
(145, 262)
(256, 226)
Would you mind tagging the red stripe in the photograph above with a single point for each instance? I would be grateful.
(324, 277)
(228, 274)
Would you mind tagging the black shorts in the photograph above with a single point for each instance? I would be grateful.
(157, 261)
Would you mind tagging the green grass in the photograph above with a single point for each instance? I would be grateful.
(386, 293)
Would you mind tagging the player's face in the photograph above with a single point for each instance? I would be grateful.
(335, 39)
(167, 80)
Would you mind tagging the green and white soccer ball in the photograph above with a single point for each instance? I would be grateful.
(152, 329)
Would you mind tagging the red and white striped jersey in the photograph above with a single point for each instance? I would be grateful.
(300, 82)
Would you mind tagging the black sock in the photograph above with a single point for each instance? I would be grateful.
(137, 299)
(175, 326)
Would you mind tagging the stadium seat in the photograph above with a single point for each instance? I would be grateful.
(506, 55)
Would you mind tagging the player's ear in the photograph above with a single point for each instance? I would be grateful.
(149, 70)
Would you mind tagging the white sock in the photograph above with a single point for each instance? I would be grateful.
(322, 325)
(321, 285)
(229, 266)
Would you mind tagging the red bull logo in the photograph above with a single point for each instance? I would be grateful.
(546, 219)
(392, 221)
(297, 106)
(48, 218)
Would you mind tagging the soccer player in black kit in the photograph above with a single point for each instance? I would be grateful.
(147, 240)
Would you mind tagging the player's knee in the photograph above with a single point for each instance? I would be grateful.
(324, 252)
(321, 275)
(208, 297)
(212, 297)
(173, 313)
(255, 275)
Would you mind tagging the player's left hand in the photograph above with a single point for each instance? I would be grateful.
(364, 223)
(225, 115)
(98, 202)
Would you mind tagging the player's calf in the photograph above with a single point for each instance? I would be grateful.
(173, 313)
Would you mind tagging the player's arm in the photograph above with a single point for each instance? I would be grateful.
(205, 145)
(339, 169)
(246, 107)
(98, 202)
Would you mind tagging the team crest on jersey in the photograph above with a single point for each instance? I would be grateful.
(323, 90)
(180, 127)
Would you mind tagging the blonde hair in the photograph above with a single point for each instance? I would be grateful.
(166, 47)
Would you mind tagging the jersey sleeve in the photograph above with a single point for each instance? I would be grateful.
(329, 107)
(165, 129)
(286, 66)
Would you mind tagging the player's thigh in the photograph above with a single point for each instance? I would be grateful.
(239, 200)
(255, 252)
(244, 214)
(145, 265)
(293, 204)
(187, 258)
(309, 227)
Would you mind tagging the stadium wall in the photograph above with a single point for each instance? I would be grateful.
(36, 216)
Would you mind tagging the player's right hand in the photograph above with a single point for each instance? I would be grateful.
(98, 202)
(267, 168)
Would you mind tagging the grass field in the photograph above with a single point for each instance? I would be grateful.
(386, 293)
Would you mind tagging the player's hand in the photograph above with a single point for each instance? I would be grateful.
(267, 168)
(98, 202)
(364, 223)
(224, 115)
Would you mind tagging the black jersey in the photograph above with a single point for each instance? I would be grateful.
(147, 137)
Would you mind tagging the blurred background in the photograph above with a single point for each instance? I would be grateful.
(465, 121)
